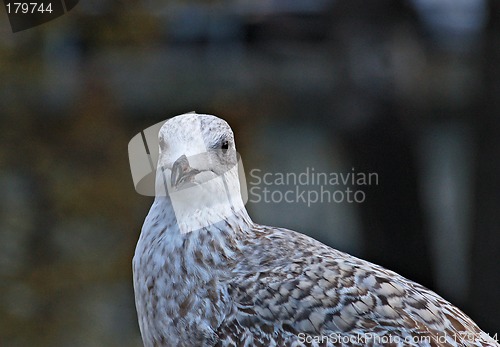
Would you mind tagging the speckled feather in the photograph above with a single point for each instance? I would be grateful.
(237, 283)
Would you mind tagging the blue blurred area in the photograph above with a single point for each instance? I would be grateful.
(406, 89)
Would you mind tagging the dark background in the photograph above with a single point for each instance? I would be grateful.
(406, 89)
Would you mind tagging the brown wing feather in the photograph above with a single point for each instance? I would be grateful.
(312, 289)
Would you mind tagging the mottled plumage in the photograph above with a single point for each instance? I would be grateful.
(232, 282)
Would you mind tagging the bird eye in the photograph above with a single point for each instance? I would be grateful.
(224, 146)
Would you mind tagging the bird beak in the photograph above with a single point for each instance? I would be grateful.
(182, 172)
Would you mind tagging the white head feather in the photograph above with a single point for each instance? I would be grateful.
(198, 170)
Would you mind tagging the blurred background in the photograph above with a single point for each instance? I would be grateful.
(407, 89)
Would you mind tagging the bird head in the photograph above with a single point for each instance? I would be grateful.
(198, 167)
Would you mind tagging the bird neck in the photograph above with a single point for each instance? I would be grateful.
(211, 247)
(178, 267)
(199, 206)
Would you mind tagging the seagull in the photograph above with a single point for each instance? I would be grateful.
(206, 275)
